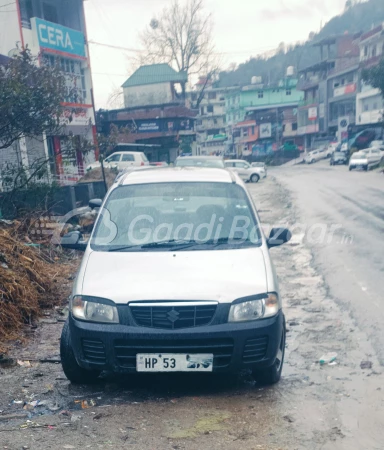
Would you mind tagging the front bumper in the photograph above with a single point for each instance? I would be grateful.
(235, 346)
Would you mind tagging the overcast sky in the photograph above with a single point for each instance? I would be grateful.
(243, 28)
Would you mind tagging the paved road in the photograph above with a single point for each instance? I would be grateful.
(353, 263)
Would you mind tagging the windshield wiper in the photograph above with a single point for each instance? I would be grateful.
(167, 243)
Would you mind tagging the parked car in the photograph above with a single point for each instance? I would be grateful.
(200, 161)
(338, 158)
(158, 164)
(183, 320)
(245, 170)
(331, 148)
(365, 159)
(122, 160)
(260, 164)
(315, 155)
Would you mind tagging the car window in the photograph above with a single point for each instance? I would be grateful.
(240, 165)
(113, 158)
(144, 158)
(137, 215)
(128, 157)
(229, 164)
(199, 162)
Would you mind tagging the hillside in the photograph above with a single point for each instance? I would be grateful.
(360, 17)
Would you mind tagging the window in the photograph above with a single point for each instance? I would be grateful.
(113, 158)
(366, 50)
(253, 130)
(211, 95)
(260, 94)
(215, 121)
(50, 12)
(375, 105)
(374, 51)
(288, 92)
(294, 126)
(128, 157)
(202, 111)
(26, 12)
(210, 108)
(366, 107)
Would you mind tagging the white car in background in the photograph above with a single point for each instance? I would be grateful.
(315, 155)
(122, 161)
(365, 159)
(245, 171)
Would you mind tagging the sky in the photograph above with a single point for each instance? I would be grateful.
(242, 28)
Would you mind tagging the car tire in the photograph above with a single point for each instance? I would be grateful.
(254, 178)
(350, 169)
(312, 161)
(74, 373)
(366, 168)
(272, 375)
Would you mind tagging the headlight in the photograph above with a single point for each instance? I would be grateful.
(90, 309)
(255, 309)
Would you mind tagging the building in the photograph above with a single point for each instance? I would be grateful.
(155, 114)
(329, 88)
(56, 31)
(369, 101)
(211, 119)
(266, 116)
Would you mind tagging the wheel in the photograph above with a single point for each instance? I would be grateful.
(255, 178)
(72, 370)
(366, 168)
(350, 168)
(272, 375)
(330, 163)
(312, 161)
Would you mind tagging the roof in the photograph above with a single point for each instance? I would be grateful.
(154, 74)
(177, 175)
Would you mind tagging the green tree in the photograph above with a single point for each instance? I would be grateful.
(375, 76)
(30, 98)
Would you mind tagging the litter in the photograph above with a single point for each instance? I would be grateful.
(24, 363)
(328, 358)
(366, 365)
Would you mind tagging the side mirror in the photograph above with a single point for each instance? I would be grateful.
(279, 236)
(95, 203)
(73, 241)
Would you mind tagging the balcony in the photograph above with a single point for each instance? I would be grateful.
(309, 102)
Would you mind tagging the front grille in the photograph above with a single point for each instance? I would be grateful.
(173, 317)
(94, 351)
(126, 350)
(255, 349)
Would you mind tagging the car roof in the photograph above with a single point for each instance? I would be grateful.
(126, 151)
(178, 175)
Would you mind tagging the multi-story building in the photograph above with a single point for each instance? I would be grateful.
(159, 123)
(329, 88)
(272, 110)
(369, 101)
(211, 120)
(56, 31)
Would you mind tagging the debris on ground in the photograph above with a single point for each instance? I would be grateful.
(30, 281)
(366, 365)
(96, 175)
(328, 358)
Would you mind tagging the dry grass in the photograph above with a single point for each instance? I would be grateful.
(96, 175)
(29, 282)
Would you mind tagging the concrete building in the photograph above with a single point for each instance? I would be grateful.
(155, 113)
(272, 110)
(329, 88)
(369, 101)
(56, 31)
(211, 120)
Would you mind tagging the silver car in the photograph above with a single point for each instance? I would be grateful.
(245, 170)
(176, 277)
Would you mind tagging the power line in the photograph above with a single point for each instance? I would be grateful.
(7, 4)
(117, 47)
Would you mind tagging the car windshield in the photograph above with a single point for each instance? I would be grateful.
(340, 154)
(196, 162)
(359, 155)
(176, 216)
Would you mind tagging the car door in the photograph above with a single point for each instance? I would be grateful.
(243, 169)
(127, 160)
(113, 160)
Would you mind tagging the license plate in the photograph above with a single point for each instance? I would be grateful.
(174, 362)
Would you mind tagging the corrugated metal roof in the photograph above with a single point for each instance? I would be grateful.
(153, 74)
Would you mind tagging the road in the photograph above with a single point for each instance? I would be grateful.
(352, 263)
(337, 407)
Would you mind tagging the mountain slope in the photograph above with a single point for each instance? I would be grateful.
(360, 17)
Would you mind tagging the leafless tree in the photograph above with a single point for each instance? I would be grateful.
(182, 37)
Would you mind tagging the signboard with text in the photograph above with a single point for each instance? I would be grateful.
(344, 90)
(56, 37)
(312, 113)
(265, 130)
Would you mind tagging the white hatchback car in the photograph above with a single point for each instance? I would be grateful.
(245, 170)
(316, 155)
(212, 303)
(122, 160)
(365, 159)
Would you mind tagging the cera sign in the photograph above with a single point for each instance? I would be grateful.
(56, 37)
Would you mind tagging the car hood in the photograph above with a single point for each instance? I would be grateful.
(221, 275)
